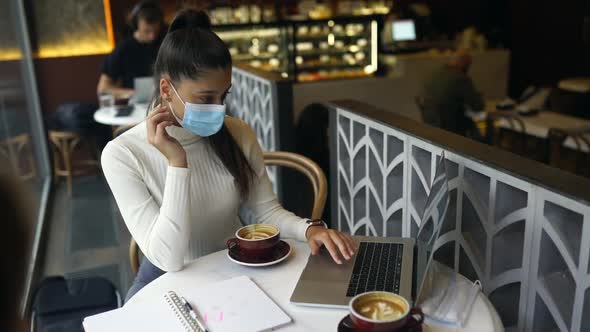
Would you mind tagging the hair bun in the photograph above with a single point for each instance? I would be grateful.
(190, 19)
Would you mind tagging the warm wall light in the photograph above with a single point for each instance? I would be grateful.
(108, 19)
(58, 39)
(61, 40)
(10, 54)
(91, 42)
(87, 46)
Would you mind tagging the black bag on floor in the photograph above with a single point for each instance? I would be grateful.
(61, 305)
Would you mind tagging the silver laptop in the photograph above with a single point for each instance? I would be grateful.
(390, 264)
(144, 88)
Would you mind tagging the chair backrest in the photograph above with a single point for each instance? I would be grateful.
(580, 138)
(134, 256)
(284, 159)
(515, 124)
(310, 169)
(119, 130)
(419, 100)
(13, 150)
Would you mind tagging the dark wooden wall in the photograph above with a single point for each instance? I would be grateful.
(67, 79)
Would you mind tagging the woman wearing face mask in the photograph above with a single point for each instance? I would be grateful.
(180, 177)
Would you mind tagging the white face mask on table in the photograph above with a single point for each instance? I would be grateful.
(446, 297)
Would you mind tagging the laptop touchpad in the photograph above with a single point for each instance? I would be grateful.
(323, 267)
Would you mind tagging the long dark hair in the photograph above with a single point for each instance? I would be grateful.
(189, 49)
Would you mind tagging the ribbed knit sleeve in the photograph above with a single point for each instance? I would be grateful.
(162, 232)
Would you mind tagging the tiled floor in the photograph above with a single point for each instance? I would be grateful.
(86, 235)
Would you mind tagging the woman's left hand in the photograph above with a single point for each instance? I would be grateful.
(337, 243)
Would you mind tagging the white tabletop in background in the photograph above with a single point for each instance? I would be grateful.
(108, 116)
(538, 125)
(577, 84)
(278, 282)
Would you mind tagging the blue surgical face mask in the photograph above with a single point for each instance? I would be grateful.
(200, 119)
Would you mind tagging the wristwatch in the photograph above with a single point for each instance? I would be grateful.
(316, 222)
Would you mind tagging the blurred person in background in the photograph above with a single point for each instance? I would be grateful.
(448, 93)
(14, 240)
(135, 56)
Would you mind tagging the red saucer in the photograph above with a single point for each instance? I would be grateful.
(346, 325)
(278, 254)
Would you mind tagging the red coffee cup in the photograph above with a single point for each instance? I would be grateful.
(383, 312)
(255, 239)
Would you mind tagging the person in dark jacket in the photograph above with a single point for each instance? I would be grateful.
(447, 94)
(135, 56)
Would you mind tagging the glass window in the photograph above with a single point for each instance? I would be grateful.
(23, 148)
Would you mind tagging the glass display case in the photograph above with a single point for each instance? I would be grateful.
(308, 50)
(337, 48)
(262, 46)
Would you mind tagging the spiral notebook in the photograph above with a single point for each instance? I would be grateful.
(236, 304)
(183, 316)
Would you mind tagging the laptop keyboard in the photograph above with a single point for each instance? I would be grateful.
(377, 267)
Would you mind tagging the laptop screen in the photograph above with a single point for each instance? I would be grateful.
(144, 88)
(432, 219)
(404, 30)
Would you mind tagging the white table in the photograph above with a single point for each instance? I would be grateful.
(538, 125)
(278, 282)
(108, 116)
(579, 84)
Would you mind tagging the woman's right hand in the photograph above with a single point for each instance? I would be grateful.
(157, 122)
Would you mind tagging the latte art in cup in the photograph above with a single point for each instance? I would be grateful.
(380, 309)
(383, 312)
(257, 232)
(258, 235)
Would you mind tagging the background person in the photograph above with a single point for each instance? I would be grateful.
(447, 93)
(135, 56)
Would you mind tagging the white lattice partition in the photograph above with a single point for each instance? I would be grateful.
(371, 173)
(252, 99)
(560, 277)
(490, 214)
(528, 246)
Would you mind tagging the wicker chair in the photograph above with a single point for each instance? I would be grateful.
(575, 159)
(18, 152)
(64, 144)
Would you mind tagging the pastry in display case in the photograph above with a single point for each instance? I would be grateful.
(338, 48)
(262, 47)
(244, 14)
(307, 50)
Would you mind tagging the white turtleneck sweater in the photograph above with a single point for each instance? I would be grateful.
(178, 214)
